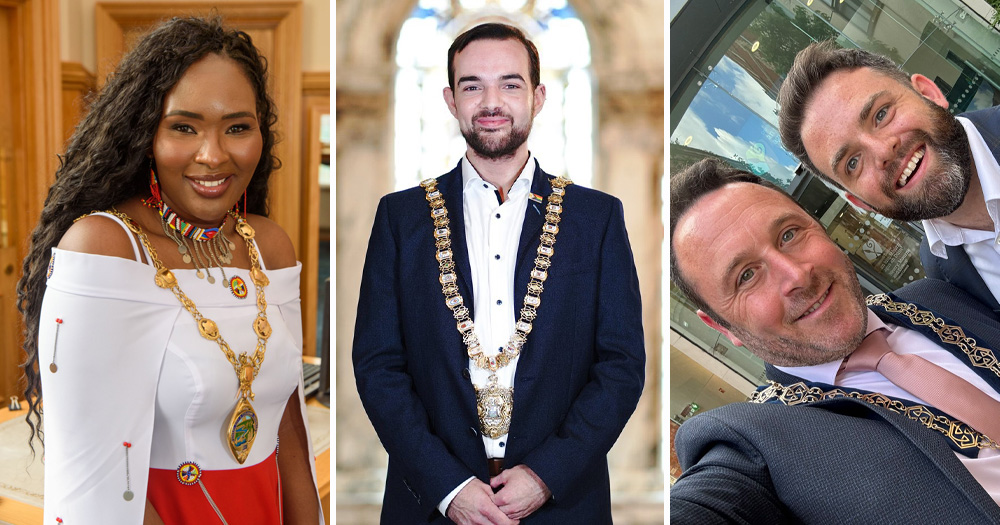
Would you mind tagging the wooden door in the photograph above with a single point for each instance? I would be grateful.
(29, 141)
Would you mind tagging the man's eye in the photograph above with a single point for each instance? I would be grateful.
(852, 164)
(880, 115)
(746, 275)
(788, 235)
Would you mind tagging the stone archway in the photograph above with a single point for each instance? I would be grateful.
(627, 59)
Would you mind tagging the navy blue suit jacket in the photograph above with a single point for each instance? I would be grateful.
(578, 379)
(957, 268)
(834, 461)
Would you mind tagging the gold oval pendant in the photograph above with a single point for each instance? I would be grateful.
(242, 430)
(494, 404)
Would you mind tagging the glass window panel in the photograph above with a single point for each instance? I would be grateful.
(727, 127)
(780, 31)
(878, 247)
(686, 322)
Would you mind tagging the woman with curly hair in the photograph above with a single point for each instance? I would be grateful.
(161, 306)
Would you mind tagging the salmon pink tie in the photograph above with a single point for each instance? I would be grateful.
(935, 385)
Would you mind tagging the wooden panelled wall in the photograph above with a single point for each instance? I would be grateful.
(30, 136)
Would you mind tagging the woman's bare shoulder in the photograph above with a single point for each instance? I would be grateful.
(275, 246)
(99, 235)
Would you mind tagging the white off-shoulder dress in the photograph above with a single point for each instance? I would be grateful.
(138, 393)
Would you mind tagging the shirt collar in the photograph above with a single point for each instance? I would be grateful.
(940, 232)
(471, 176)
(827, 372)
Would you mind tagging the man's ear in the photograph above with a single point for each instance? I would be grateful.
(928, 89)
(719, 328)
(539, 98)
(858, 202)
(449, 98)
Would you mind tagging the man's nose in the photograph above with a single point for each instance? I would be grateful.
(491, 97)
(884, 148)
(794, 272)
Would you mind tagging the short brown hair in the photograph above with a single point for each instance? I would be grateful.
(686, 188)
(812, 65)
(495, 31)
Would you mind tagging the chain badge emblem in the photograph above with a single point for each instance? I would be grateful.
(494, 404)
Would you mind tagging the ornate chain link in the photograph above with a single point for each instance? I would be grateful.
(449, 279)
(958, 432)
(207, 327)
(949, 334)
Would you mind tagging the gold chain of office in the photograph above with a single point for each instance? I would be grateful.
(243, 424)
(494, 403)
(949, 334)
(449, 279)
(958, 432)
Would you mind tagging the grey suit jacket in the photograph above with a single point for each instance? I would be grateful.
(834, 461)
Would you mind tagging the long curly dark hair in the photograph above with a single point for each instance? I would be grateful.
(106, 161)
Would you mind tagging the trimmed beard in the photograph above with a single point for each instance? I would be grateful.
(943, 191)
(488, 146)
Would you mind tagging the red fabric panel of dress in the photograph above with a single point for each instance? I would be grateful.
(244, 495)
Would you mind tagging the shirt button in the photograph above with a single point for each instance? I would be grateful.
(499, 301)
(497, 256)
(485, 186)
(498, 215)
(501, 444)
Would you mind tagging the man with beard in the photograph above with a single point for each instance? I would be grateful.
(856, 119)
(497, 365)
(886, 414)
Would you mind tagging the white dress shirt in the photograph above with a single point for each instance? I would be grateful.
(492, 234)
(902, 340)
(983, 246)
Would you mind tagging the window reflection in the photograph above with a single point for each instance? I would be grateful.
(742, 130)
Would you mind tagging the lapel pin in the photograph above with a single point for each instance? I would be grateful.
(535, 197)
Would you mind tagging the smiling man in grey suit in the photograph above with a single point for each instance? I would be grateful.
(882, 414)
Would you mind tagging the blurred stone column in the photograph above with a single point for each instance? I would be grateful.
(630, 166)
